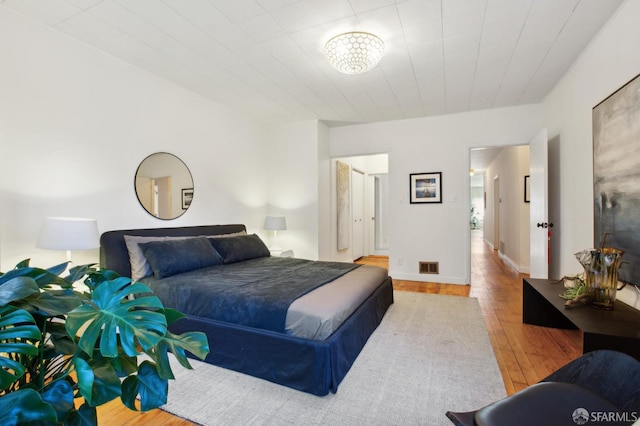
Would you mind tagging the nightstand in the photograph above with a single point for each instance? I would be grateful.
(282, 253)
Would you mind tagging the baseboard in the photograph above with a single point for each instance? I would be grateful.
(506, 259)
(489, 244)
(428, 278)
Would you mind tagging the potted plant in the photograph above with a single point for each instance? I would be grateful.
(58, 344)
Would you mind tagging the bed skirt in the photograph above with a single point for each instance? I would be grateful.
(313, 366)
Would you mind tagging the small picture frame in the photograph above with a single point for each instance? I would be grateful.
(425, 187)
(187, 197)
(527, 189)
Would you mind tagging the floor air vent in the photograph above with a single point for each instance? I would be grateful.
(429, 267)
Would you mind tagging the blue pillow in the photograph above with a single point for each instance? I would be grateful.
(237, 249)
(170, 257)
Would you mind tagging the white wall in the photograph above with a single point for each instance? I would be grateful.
(324, 193)
(434, 232)
(297, 159)
(609, 61)
(76, 122)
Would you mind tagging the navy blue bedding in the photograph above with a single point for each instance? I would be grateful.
(254, 293)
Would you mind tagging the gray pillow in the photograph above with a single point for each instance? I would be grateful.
(237, 249)
(139, 266)
(171, 257)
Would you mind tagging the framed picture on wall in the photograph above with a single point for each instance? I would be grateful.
(616, 176)
(425, 187)
(527, 189)
(187, 197)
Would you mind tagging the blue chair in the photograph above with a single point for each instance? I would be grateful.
(600, 387)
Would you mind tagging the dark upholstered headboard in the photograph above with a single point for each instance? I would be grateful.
(113, 250)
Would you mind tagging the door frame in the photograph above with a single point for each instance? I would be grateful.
(360, 194)
(496, 213)
(467, 200)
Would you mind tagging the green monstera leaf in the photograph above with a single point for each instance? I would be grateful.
(50, 329)
(17, 334)
(114, 319)
(193, 341)
(25, 406)
(17, 288)
(148, 385)
(43, 277)
(97, 380)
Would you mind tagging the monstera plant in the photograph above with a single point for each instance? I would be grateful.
(65, 351)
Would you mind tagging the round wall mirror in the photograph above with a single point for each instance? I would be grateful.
(164, 185)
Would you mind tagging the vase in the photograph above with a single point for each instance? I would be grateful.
(605, 263)
(585, 257)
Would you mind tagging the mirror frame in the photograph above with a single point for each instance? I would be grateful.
(180, 194)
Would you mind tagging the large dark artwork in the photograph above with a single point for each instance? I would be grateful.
(616, 175)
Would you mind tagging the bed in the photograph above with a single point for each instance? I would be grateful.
(310, 347)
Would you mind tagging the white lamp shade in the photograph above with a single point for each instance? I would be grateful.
(68, 233)
(275, 223)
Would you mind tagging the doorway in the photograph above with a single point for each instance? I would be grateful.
(380, 219)
(368, 207)
(505, 226)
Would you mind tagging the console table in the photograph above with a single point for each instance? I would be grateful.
(617, 329)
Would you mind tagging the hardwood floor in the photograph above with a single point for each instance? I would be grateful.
(525, 353)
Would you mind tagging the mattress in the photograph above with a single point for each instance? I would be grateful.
(314, 315)
(317, 314)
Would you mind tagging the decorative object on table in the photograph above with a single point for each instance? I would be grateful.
(68, 233)
(425, 187)
(275, 224)
(527, 189)
(58, 345)
(575, 290)
(604, 267)
(598, 283)
(616, 174)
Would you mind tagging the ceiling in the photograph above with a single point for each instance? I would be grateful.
(264, 58)
(479, 160)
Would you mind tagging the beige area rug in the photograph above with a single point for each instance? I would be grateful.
(430, 354)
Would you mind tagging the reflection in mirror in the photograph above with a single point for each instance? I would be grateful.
(162, 179)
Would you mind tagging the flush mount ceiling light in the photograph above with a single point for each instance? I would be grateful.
(354, 52)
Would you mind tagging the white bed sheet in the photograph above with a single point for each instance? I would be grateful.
(317, 314)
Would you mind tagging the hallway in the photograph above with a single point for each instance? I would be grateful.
(525, 353)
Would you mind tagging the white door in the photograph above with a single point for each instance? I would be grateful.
(539, 225)
(145, 192)
(357, 213)
(370, 212)
(165, 203)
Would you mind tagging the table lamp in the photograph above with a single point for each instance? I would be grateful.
(68, 233)
(275, 224)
